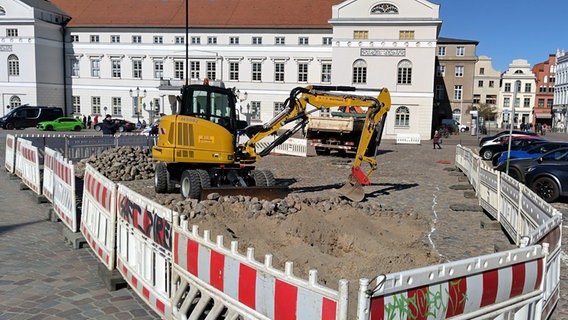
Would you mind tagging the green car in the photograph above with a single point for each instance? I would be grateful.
(61, 124)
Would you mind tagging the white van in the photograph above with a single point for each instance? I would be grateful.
(454, 123)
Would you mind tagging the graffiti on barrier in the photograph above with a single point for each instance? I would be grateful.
(149, 223)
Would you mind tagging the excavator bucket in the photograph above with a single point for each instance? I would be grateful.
(352, 189)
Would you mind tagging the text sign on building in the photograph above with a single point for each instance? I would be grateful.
(6, 48)
(384, 52)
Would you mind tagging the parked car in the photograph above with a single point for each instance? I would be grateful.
(125, 126)
(518, 167)
(505, 137)
(531, 151)
(548, 180)
(61, 124)
(488, 151)
(29, 116)
(502, 133)
(454, 124)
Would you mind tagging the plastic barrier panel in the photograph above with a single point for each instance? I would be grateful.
(505, 283)
(535, 211)
(98, 215)
(407, 138)
(81, 147)
(64, 197)
(10, 155)
(27, 165)
(292, 146)
(488, 193)
(48, 168)
(252, 287)
(509, 207)
(144, 248)
(474, 176)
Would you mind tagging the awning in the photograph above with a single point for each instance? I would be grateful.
(543, 115)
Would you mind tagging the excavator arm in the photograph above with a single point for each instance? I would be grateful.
(325, 97)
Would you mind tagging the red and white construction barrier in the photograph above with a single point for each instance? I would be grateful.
(64, 196)
(507, 284)
(259, 289)
(10, 155)
(27, 165)
(98, 215)
(144, 248)
(48, 168)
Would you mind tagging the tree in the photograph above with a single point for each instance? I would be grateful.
(484, 110)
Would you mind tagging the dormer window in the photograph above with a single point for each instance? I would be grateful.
(2, 11)
(384, 8)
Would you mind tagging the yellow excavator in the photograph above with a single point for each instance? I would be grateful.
(198, 148)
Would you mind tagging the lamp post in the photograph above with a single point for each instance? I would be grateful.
(517, 85)
(138, 103)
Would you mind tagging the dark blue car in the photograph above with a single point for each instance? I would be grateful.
(518, 167)
(548, 180)
(531, 152)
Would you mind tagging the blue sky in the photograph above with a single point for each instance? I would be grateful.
(508, 29)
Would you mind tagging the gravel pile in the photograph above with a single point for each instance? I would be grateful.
(124, 163)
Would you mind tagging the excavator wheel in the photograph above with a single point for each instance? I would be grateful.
(161, 178)
(204, 178)
(270, 181)
(259, 178)
(190, 184)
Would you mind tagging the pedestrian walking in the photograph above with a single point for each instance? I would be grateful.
(85, 121)
(89, 122)
(436, 140)
(96, 119)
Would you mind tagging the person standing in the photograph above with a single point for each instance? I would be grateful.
(85, 121)
(96, 119)
(436, 140)
(89, 122)
(109, 126)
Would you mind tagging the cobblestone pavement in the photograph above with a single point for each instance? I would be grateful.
(41, 277)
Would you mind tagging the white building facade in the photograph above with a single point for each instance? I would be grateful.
(516, 95)
(366, 44)
(560, 105)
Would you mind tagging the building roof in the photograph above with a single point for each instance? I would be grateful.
(442, 40)
(44, 5)
(202, 13)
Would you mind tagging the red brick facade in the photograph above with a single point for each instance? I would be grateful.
(545, 73)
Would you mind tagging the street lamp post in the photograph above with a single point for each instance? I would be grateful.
(515, 91)
(138, 103)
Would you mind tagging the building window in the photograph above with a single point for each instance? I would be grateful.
(440, 71)
(360, 71)
(278, 106)
(11, 32)
(384, 8)
(137, 69)
(234, 40)
(458, 92)
(158, 39)
(481, 71)
(326, 72)
(526, 103)
(74, 38)
(507, 87)
(136, 39)
(211, 40)
(528, 87)
(404, 72)
(96, 105)
(15, 102)
(491, 99)
(549, 103)
(279, 41)
(194, 69)
(439, 92)
(211, 70)
(256, 71)
(476, 98)
(115, 39)
(406, 35)
(491, 83)
(441, 51)
(506, 102)
(94, 38)
(302, 72)
(95, 68)
(74, 67)
(234, 71)
(180, 40)
(255, 110)
(518, 86)
(402, 117)
(279, 72)
(459, 71)
(360, 34)
(195, 40)
(13, 65)
(541, 103)
(326, 41)
(460, 51)
(303, 41)
(116, 106)
(115, 68)
(480, 83)
(76, 105)
(158, 69)
(179, 69)
(256, 40)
